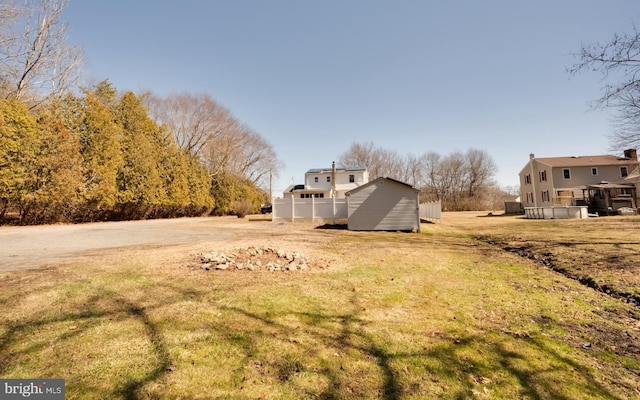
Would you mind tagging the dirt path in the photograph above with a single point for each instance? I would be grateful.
(32, 247)
(36, 246)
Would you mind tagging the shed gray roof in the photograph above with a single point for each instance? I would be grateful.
(377, 181)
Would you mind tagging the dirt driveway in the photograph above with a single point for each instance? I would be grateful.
(28, 247)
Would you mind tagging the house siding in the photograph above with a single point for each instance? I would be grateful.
(324, 186)
(383, 204)
(564, 191)
(531, 192)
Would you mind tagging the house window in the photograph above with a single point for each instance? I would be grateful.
(545, 196)
(623, 172)
(527, 179)
(328, 179)
(315, 179)
(543, 176)
(566, 172)
(529, 197)
(594, 171)
(352, 178)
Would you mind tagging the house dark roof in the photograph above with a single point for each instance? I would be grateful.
(584, 161)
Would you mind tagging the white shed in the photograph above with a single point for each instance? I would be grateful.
(383, 204)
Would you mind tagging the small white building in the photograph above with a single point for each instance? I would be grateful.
(328, 182)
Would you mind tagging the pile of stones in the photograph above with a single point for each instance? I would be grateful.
(254, 259)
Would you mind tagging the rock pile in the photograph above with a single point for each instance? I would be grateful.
(256, 259)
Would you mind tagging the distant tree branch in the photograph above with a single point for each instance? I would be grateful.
(619, 63)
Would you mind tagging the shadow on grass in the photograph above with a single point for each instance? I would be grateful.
(401, 369)
(107, 305)
(447, 360)
(159, 348)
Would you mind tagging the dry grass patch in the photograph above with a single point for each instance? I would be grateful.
(603, 253)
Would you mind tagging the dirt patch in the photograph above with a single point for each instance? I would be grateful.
(608, 268)
(603, 267)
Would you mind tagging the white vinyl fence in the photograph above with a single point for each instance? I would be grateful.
(312, 209)
(431, 211)
(333, 210)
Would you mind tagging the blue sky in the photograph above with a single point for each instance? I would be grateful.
(413, 76)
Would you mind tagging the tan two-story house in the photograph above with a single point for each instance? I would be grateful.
(567, 181)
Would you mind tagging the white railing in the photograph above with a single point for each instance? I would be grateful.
(333, 210)
(312, 209)
(558, 212)
(431, 211)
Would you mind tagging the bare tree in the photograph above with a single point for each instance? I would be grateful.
(459, 180)
(390, 164)
(9, 12)
(194, 120)
(37, 62)
(453, 170)
(480, 170)
(433, 183)
(211, 134)
(358, 155)
(619, 62)
(244, 153)
(379, 162)
(256, 159)
(413, 171)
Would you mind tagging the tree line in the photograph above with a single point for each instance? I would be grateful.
(101, 156)
(72, 153)
(69, 153)
(460, 180)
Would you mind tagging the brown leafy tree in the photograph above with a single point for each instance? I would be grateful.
(101, 151)
(18, 150)
(56, 178)
(140, 184)
(157, 177)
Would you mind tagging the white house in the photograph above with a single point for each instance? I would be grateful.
(328, 182)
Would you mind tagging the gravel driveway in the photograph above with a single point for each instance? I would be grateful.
(27, 247)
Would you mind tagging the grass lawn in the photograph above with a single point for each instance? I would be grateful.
(437, 314)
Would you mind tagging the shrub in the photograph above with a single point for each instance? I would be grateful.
(242, 208)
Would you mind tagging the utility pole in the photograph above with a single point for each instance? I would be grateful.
(270, 186)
